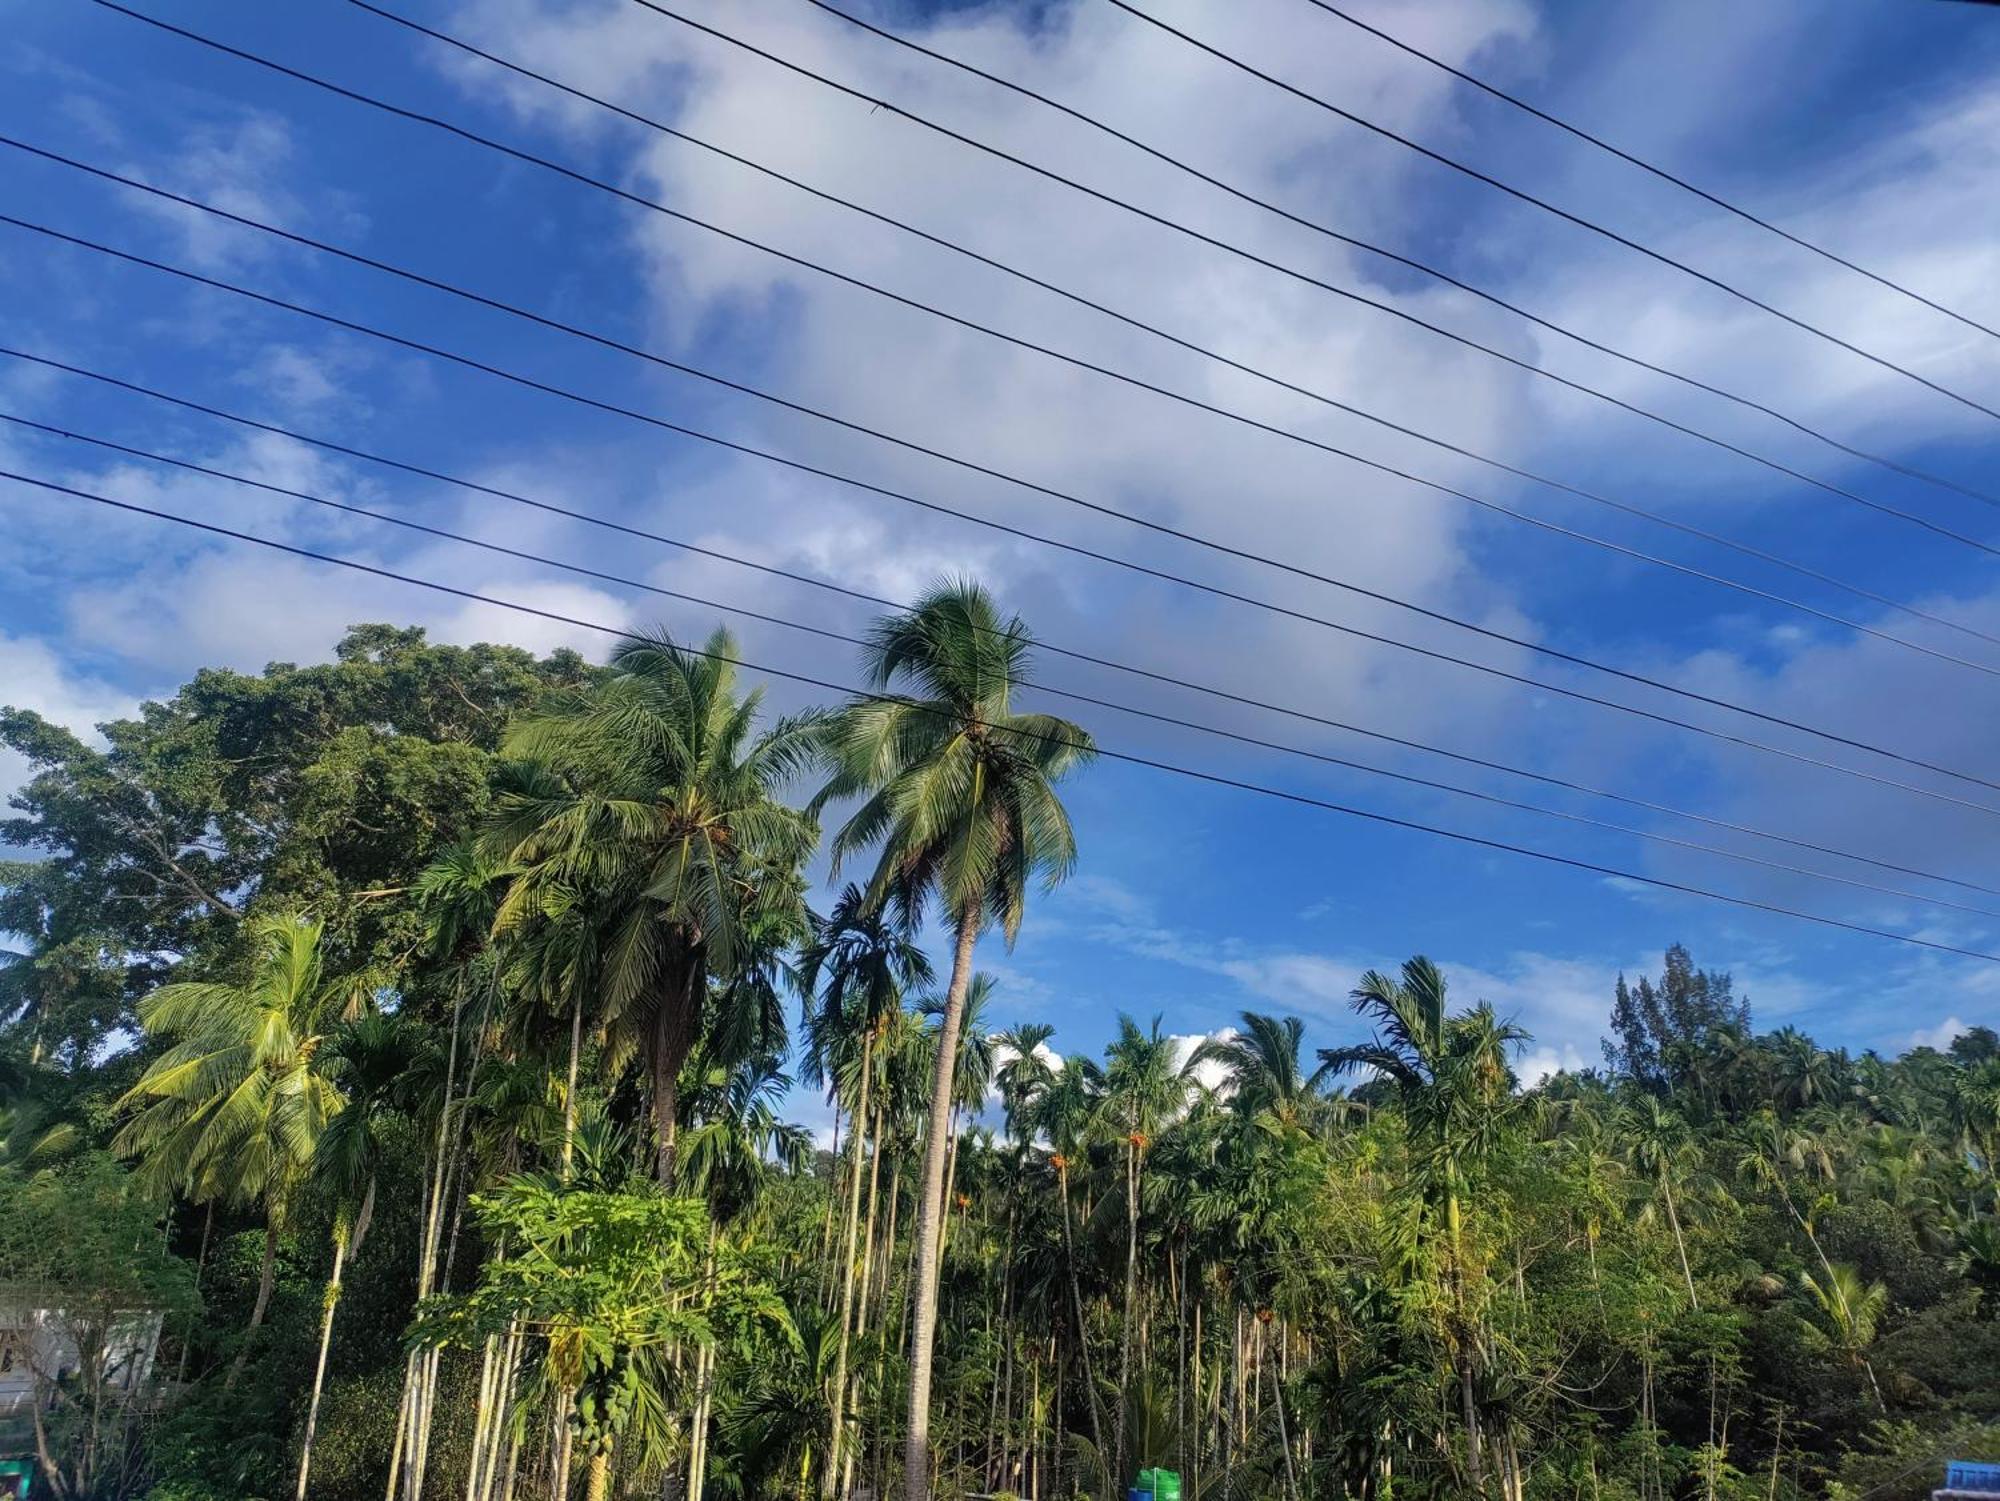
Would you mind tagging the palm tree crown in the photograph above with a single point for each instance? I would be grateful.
(643, 812)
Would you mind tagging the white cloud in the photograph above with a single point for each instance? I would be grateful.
(1536, 1064)
(33, 675)
(1940, 1036)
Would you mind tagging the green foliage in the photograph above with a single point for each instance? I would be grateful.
(418, 959)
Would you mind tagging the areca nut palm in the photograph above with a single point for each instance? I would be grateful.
(235, 1106)
(957, 790)
(859, 962)
(372, 1059)
(1146, 1084)
(1453, 1082)
(651, 799)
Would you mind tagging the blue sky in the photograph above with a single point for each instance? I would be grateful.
(1872, 128)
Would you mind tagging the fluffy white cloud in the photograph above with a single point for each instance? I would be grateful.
(1941, 1036)
(33, 675)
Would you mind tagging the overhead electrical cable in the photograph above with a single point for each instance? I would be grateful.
(1177, 721)
(1245, 195)
(1643, 165)
(1555, 528)
(1881, 507)
(1547, 207)
(1687, 529)
(1147, 570)
(1126, 757)
(1054, 648)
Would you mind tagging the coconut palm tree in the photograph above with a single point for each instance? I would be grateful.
(650, 798)
(958, 791)
(1852, 1308)
(235, 1105)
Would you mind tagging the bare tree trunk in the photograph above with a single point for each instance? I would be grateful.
(1284, 1434)
(1131, 1292)
(1076, 1302)
(865, 1278)
(838, 1439)
(1680, 1243)
(930, 1208)
(319, 1370)
(477, 1474)
(698, 1434)
(559, 1446)
(427, 1246)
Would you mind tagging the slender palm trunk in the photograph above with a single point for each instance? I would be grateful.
(930, 1207)
(1284, 1433)
(569, 1089)
(1076, 1304)
(448, 1136)
(864, 1281)
(1680, 1242)
(1131, 1295)
(838, 1436)
(319, 1370)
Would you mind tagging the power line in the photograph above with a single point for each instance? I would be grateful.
(1620, 549)
(1306, 278)
(1127, 757)
(1244, 195)
(1216, 590)
(1547, 207)
(1686, 529)
(862, 596)
(1177, 721)
(1645, 166)
(517, 153)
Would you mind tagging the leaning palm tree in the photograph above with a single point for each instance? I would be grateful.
(958, 790)
(233, 1109)
(648, 801)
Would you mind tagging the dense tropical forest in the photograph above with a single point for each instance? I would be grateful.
(396, 1052)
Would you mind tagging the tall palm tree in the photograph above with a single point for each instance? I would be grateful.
(1063, 1113)
(1146, 1084)
(650, 798)
(371, 1061)
(234, 1107)
(958, 790)
(1660, 1147)
(1450, 1073)
(859, 962)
